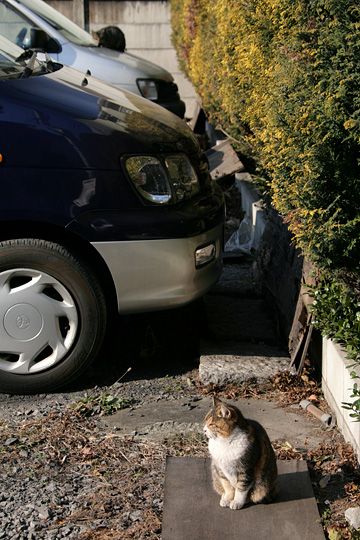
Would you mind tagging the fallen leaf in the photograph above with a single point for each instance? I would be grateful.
(334, 534)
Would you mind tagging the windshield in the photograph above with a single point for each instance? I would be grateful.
(69, 30)
(9, 67)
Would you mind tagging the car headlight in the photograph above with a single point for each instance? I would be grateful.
(183, 177)
(148, 88)
(149, 177)
(161, 180)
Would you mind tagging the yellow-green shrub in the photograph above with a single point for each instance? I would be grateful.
(284, 75)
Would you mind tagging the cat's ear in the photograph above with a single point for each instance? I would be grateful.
(225, 411)
(216, 401)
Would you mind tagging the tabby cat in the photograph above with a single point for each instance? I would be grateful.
(243, 462)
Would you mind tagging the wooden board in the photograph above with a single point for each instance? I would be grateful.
(223, 160)
(192, 511)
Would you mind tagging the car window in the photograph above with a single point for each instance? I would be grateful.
(14, 25)
(69, 30)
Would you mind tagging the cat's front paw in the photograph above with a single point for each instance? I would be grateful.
(224, 502)
(235, 505)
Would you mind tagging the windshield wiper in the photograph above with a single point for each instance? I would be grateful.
(31, 55)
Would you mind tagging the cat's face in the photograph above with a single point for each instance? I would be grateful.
(221, 420)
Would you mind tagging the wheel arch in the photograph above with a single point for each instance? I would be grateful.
(12, 230)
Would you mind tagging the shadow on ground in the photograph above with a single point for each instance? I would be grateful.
(151, 344)
(232, 320)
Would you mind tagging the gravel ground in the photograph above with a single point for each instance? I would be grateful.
(62, 473)
(65, 475)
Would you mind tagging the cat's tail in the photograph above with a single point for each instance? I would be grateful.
(263, 493)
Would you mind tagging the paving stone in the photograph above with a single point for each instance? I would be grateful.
(192, 510)
(159, 420)
(238, 280)
(352, 516)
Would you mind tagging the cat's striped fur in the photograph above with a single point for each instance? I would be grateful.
(243, 462)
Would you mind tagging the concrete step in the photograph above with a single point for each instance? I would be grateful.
(239, 319)
(242, 340)
(224, 363)
(238, 279)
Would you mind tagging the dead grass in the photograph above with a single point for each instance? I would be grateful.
(126, 475)
(335, 476)
(285, 388)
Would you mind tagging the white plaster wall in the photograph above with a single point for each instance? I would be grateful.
(146, 25)
(337, 387)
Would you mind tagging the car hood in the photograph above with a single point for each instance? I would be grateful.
(81, 122)
(120, 68)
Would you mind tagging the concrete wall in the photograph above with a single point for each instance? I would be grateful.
(337, 386)
(72, 9)
(280, 266)
(146, 24)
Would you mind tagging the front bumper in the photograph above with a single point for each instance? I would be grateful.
(160, 274)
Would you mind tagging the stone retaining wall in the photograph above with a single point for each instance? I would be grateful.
(279, 264)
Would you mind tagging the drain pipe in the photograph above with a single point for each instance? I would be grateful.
(86, 11)
(325, 418)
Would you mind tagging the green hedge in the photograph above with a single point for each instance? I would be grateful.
(283, 77)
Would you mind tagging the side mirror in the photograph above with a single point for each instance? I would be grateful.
(39, 39)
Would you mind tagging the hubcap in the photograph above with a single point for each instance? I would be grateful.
(38, 321)
(23, 322)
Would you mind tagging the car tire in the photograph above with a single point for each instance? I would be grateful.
(52, 316)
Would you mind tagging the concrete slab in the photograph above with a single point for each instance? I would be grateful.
(223, 160)
(236, 362)
(160, 419)
(192, 510)
(237, 280)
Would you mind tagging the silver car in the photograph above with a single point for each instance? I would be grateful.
(27, 22)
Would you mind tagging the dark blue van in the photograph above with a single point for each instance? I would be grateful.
(106, 202)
